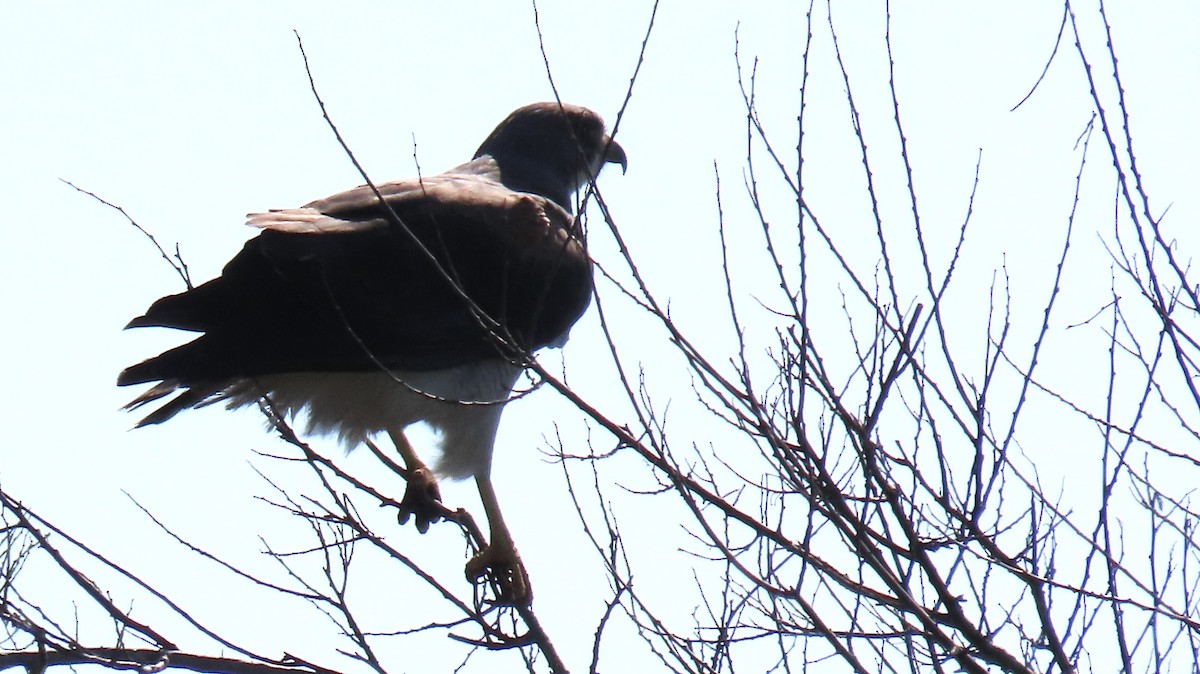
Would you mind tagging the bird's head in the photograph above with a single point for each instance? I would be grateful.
(551, 149)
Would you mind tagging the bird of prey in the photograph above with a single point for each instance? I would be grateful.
(369, 311)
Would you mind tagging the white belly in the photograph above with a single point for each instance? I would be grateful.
(463, 404)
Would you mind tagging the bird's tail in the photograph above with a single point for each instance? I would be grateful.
(165, 369)
(189, 397)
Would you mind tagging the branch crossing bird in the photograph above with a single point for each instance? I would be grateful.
(367, 316)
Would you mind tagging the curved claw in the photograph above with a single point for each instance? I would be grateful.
(504, 570)
(422, 499)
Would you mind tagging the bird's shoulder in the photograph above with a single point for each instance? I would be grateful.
(468, 196)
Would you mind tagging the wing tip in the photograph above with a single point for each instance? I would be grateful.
(141, 322)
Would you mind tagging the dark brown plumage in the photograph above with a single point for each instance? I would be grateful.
(339, 286)
(360, 313)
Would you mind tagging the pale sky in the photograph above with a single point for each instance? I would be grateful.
(190, 115)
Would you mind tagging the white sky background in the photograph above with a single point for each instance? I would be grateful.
(191, 114)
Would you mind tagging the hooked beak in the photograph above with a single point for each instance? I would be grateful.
(615, 154)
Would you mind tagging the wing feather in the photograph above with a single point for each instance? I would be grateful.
(308, 221)
(345, 283)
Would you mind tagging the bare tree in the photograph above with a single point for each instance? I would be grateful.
(859, 477)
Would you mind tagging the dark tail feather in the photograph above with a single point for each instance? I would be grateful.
(189, 362)
(191, 396)
(183, 372)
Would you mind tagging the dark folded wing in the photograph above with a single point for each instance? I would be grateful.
(340, 285)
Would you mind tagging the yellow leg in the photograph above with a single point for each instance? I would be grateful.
(422, 497)
(499, 559)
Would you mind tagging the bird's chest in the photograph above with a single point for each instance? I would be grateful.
(356, 405)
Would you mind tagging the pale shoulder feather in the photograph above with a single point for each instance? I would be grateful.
(470, 195)
(322, 216)
(308, 221)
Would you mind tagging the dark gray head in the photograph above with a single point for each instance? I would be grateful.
(551, 149)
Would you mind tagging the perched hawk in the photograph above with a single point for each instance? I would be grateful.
(369, 316)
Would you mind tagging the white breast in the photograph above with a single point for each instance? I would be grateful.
(463, 404)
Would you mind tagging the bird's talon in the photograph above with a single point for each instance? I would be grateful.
(422, 499)
(505, 572)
